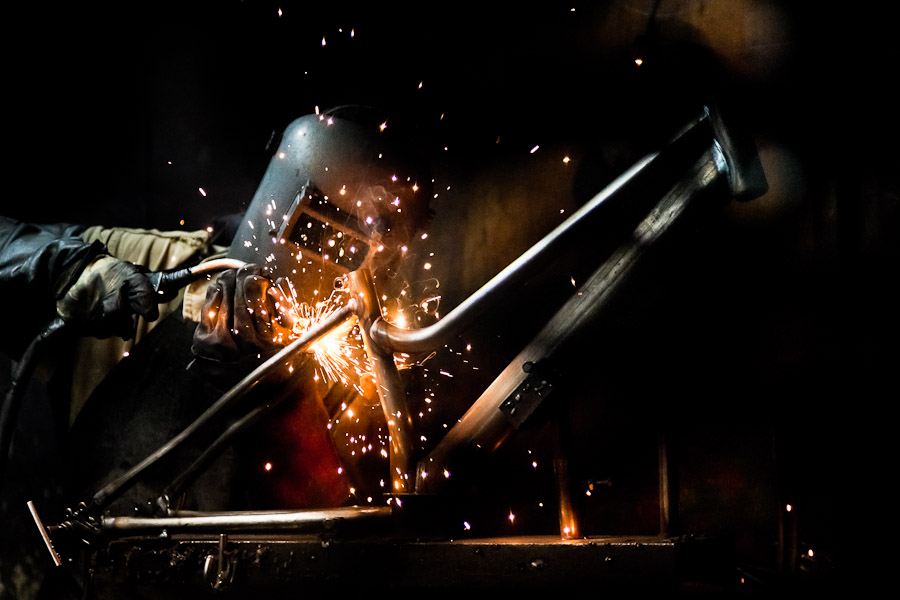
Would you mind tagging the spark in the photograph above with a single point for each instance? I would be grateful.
(202, 192)
(334, 351)
(789, 508)
(535, 149)
(267, 466)
(512, 517)
(639, 61)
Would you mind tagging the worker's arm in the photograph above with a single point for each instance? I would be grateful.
(48, 271)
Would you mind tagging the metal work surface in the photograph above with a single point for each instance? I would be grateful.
(183, 566)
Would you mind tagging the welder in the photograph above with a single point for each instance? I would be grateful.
(345, 189)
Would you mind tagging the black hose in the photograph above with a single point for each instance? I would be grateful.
(21, 375)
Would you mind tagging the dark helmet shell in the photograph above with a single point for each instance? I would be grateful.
(341, 192)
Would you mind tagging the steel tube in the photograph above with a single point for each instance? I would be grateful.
(523, 268)
(391, 391)
(254, 521)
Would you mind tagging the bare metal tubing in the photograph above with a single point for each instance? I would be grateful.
(294, 521)
(216, 265)
(484, 427)
(112, 490)
(391, 391)
(520, 270)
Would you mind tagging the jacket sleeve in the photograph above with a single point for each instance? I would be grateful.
(38, 263)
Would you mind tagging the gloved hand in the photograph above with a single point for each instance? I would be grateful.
(104, 299)
(243, 318)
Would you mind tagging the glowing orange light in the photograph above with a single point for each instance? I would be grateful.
(512, 517)
(789, 508)
(333, 352)
(267, 466)
(639, 61)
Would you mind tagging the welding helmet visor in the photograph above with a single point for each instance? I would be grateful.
(342, 191)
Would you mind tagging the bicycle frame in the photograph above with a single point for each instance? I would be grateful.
(701, 157)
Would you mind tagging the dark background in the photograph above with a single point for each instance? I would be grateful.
(767, 344)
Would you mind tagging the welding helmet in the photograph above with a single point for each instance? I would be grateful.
(344, 190)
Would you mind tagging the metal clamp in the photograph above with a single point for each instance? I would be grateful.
(530, 393)
(218, 570)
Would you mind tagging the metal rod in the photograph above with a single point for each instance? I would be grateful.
(44, 535)
(391, 391)
(524, 267)
(111, 491)
(246, 520)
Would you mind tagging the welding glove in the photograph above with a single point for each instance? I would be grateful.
(107, 295)
(243, 319)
